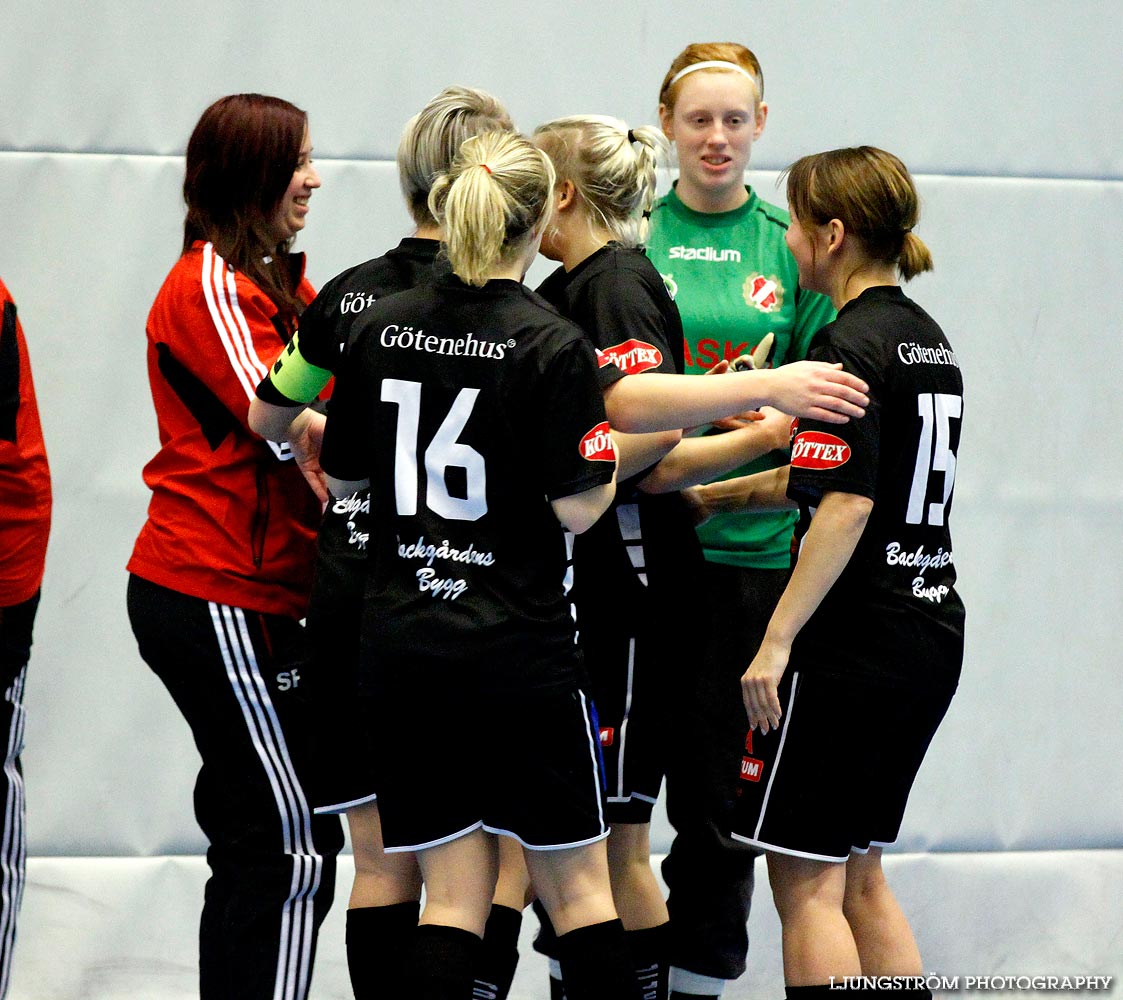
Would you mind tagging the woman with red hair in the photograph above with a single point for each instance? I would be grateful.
(222, 568)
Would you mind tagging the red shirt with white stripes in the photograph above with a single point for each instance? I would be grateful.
(231, 519)
(25, 480)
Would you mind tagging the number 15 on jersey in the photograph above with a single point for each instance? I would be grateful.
(936, 411)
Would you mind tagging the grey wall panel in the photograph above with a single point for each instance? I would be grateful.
(1003, 88)
(977, 916)
(89, 241)
(1007, 111)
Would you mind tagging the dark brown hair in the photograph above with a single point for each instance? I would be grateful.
(871, 193)
(240, 161)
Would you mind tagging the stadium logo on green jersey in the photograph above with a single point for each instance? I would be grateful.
(705, 253)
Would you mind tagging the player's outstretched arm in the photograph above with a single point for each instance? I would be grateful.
(696, 459)
(817, 390)
(636, 452)
(804, 389)
(827, 547)
(290, 385)
(761, 492)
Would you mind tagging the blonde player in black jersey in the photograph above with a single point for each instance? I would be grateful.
(472, 410)
(632, 569)
(384, 902)
(863, 652)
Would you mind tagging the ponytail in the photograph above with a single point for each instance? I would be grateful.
(613, 168)
(915, 257)
(497, 193)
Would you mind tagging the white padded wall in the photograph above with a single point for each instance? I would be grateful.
(1009, 114)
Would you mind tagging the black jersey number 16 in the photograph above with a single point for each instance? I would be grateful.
(444, 452)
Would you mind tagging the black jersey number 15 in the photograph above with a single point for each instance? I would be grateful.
(936, 411)
(444, 452)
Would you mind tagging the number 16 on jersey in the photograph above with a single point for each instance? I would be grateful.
(445, 451)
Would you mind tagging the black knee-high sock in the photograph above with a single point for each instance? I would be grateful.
(595, 963)
(546, 943)
(499, 955)
(442, 963)
(378, 940)
(648, 948)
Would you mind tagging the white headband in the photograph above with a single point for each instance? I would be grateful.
(713, 64)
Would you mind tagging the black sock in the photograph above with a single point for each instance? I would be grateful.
(499, 955)
(442, 963)
(595, 963)
(545, 941)
(648, 948)
(378, 940)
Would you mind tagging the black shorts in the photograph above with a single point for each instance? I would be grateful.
(836, 775)
(628, 683)
(343, 773)
(453, 760)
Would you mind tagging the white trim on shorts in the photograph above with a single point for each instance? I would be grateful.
(623, 801)
(631, 534)
(593, 733)
(478, 825)
(546, 847)
(620, 754)
(754, 840)
(335, 808)
(765, 846)
(881, 843)
(593, 737)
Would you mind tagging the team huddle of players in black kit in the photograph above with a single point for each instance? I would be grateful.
(469, 516)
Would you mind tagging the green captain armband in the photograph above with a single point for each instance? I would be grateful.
(294, 377)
